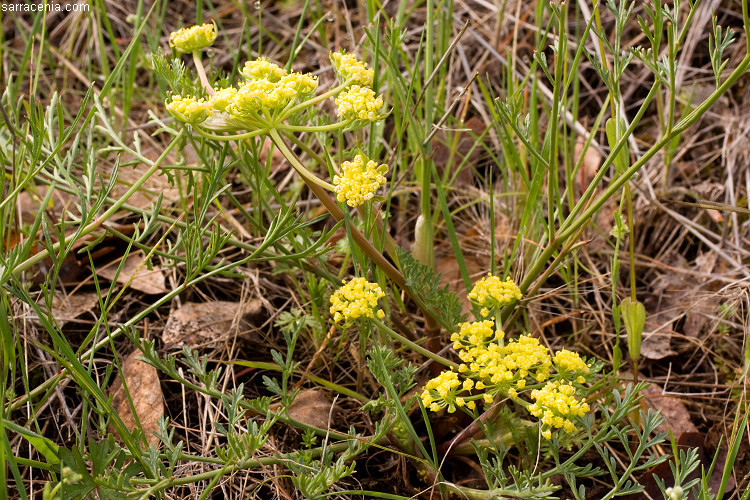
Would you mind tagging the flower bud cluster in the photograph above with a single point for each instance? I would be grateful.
(491, 293)
(267, 86)
(188, 40)
(355, 299)
(359, 103)
(359, 180)
(190, 109)
(555, 404)
(351, 70)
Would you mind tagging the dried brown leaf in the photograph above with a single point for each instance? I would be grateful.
(150, 281)
(592, 160)
(311, 407)
(67, 307)
(450, 274)
(196, 323)
(676, 415)
(657, 345)
(143, 385)
(464, 145)
(157, 184)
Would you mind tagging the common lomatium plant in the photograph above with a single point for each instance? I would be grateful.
(266, 99)
(517, 372)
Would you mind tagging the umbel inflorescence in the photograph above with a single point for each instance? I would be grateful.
(268, 93)
(356, 299)
(492, 294)
(188, 40)
(520, 369)
(359, 180)
(269, 97)
(266, 89)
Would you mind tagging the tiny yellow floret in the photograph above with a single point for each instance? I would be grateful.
(191, 39)
(302, 84)
(352, 70)
(569, 361)
(359, 180)
(222, 98)
(189, 109)
(250, 98)
(356, 299)
(440, 392)
(359, 103)
(263, 69)
(492, 293)
(267, 86)
(555, 405)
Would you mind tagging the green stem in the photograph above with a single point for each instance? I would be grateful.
(678, 129)
(296, 164)
(314, 100)
(321, 128)
(425, 251)
(360, 239)
(264, 365)
(251, 463)
(202, 72)
(52, 381)
(337, 214)
(552, 180)
(575, 221)
(426, 353)
(238, 137)
(631, 242)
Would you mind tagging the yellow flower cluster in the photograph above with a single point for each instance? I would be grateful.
(253, 95)
(526, 355)
(263, 69)
(191, 39)
(570, 362)
(495, 364)
(491, 366)
(352, 70)
(355, 299)
(190, 109)
(555, 405)
(267, 86)
(474, 334)
(441, 392)
(495, 367)
(223, 98)
(492, 293)
(359, 180)
(359, 103)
